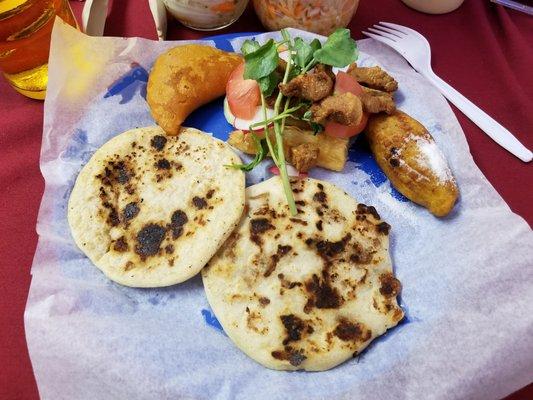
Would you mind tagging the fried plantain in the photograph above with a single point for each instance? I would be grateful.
(410, 158)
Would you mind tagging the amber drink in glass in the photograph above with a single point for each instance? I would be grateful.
(25, 29)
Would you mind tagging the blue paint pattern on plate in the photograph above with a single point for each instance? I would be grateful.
(210, 118)
(77, 145)
(211, 320)
(360, 153)
(127, 84)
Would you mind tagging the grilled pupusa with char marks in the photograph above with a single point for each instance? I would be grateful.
(150, 210)
(304, 292)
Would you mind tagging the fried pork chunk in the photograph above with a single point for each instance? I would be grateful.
(373, 77)
(313, 86)
(324, 68)
(304, 156)
(376, 101)
(345, 108)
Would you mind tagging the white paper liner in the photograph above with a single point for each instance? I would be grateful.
(466, 278)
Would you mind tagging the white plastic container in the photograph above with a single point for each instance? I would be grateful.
(206, 15)
(434, 6)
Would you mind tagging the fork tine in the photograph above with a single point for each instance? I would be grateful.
(392, 37)
(409, 31)
(393, 31)
(382, 39)
(405, 30)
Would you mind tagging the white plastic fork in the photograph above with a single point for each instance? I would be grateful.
(416, 50)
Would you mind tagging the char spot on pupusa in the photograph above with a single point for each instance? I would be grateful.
(149, 240)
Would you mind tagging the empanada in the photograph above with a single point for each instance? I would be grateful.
(185, 78)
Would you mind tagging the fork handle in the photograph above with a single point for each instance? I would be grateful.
(492, 128)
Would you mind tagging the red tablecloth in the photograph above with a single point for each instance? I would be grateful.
(483, 50)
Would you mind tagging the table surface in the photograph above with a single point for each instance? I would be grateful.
(481, 49)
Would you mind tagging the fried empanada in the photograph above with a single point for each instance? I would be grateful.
(410, 158)
(185, 78)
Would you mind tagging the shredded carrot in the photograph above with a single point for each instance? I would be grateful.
(272, 10)
(284, 10)
(308, 14)
(298, 8)
(225, 7)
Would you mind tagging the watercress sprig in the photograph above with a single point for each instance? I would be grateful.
(261, 150)
(278, 132)
(340, 50)
(287, 112)
(261, 64)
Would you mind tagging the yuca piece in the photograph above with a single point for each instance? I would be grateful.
(307, 292)
(185, 78)
(410, 158)
(150, 210)
(332, 152)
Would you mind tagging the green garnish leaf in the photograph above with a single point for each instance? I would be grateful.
(261, 62)
(294, 72)
(260, 153)
(249, 46)
(267, 84)
(339, 50)
(316, 127)
(304, 52)
(315, 45)
(307, 115)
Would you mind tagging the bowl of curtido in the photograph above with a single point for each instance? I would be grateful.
(319, 16)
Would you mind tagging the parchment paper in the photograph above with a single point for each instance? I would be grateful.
(467, 279)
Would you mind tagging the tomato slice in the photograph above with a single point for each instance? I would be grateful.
(243, 94)
(345, 83)
(244, 124)
(345, 131)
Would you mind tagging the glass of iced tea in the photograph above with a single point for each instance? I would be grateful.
(25, 28)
